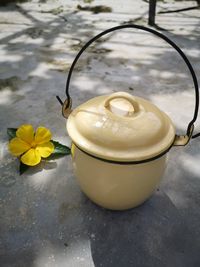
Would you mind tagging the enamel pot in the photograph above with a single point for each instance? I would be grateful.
(120, 142)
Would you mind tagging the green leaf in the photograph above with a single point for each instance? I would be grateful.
(60, 149)
(11, 132)
(23, 167)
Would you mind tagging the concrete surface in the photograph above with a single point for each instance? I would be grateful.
(45, 219)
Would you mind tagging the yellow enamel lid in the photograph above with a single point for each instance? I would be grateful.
(120, 127)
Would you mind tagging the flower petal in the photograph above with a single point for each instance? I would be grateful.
(18, 146)
(31, 157)
(26, 133)
(42, 135)
(73, 150)
(45, 149)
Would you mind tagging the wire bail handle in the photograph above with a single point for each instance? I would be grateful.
(179, 140)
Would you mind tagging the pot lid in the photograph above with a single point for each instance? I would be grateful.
(120, 127)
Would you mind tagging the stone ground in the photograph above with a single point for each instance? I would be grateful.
(45, 219)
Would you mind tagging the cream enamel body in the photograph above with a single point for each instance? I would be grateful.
(116, 186)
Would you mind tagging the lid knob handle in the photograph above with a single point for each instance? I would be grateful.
(125, 106)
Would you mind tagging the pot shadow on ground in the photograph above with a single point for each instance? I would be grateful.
(57, 215)
(144, 236)
(183, 181)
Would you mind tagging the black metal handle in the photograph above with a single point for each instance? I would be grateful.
(68, 102)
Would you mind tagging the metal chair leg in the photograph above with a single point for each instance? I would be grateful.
(152, 12)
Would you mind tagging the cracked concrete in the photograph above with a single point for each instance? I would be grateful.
(45, 219)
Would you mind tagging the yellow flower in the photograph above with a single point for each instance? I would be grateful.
(31, 146)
